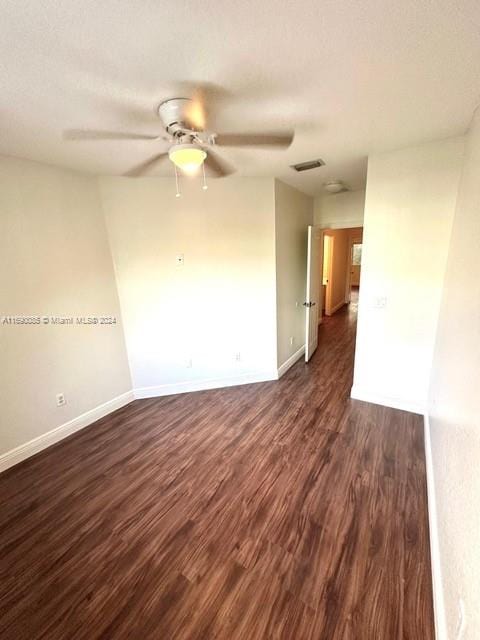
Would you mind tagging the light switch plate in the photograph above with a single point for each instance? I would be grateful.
(379, 302)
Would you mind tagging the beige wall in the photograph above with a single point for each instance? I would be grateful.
(355, 275)
(185, 325)
(409, 209)
(340, 210)
(293, 214)
(54, 259)
(454, 408)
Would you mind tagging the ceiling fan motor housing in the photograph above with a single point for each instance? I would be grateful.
(173, 114)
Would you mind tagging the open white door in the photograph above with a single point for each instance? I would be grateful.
(312, 298)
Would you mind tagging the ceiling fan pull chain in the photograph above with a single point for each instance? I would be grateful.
(205, 186)
(177, 195)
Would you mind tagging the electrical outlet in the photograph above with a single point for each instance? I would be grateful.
(60, 398)
(238, 356)
(180, 260)
(189, 363)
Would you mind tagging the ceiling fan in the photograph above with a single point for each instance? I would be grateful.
(190, 144)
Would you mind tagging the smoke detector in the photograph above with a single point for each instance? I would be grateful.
(334, 186)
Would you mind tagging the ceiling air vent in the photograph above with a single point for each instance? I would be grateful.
(306, 166)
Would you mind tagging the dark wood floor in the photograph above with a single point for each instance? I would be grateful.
(276, 510)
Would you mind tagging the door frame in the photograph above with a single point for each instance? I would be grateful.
(320, 292)
(328, 287)
(313, 294)
(354, 239)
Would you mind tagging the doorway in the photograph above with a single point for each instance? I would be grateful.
(355, 264)
(333, 277)
(340, 268)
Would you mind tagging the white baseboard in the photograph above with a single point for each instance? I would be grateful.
(438, 601)
(357, 393)
(283, 368)
(24, 451)
(202, 385)
(337, 307)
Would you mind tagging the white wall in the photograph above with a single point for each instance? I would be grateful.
(410, 201)
(54, 260)
(342, 210)
(211, 322)
(219, 304)
(454, 408)
(293, 214)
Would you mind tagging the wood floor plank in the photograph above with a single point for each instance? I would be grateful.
(281, 510)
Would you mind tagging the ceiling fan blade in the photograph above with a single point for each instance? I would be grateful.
(92, 134)
(142, 168)
(217, 165)
(283, 140)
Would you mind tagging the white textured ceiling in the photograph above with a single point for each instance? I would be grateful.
(349, 76)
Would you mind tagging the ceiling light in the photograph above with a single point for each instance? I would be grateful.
(334, 186)
(187, 157)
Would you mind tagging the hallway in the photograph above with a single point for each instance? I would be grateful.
(276, 510)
